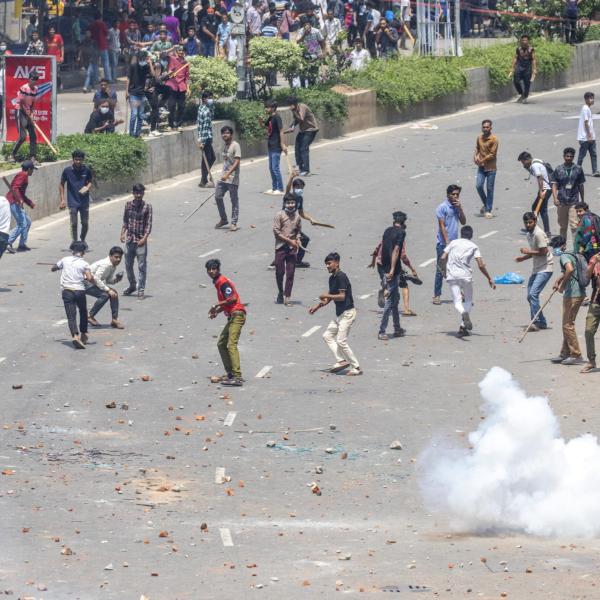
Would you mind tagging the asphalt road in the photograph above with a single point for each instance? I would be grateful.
(106, 483)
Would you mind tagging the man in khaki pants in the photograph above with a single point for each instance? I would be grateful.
(592, 320)
(336, 334)
(573, 295)
(567, 190)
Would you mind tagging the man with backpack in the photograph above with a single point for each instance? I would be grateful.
(586, 239)
(542, 171)
(571, 284)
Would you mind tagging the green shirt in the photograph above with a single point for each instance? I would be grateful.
(159, 46)
(572, 288)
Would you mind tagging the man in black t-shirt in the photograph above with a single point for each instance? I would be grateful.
(276, 145)
(336, 334)
(391, 250)
(139, 72)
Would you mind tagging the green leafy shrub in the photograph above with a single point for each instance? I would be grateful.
(593, 33)
(111, 156)
(248, 115)
(325, 103)
(44, 154)
(217, 76)
(273, 54)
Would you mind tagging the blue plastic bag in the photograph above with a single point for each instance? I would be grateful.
(508, 278)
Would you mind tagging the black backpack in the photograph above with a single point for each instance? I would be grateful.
(581, 269)
(549, 169)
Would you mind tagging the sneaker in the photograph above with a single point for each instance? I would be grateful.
(482, 211)
(467, 321)
(381, 298)
(436, 300)
(596, 174)
(10, 249)
(339, 366)
(130, 290)
(399, 333)
(78, 343)
(233, 227)
(279, 299)
(278, 193)
(141, 295)
(202, 184)
(23, 248)
(520, 99)
(302, 265)
(533, 327)
(269, 192)
(233, 381)
(85, 90)
(489, 215)
(462, 332)
(12, 160)
(524, 101)
(304, 173)
(93, 321)
(287, 301)
(558, 359)
(354, 371)
(116, 324)
(221, 223)
(383, 337)
(572, 360)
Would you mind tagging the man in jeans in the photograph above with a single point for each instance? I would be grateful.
(230, 304)
(573, 295)
(230, 179)
(78, 180)
(17, 196)
(140, 70)
(486, 150)
(543, 265)
(593, 317)
(537, 168)
(137, 225)
(567, 190)
(305, 119)
(205, 136)
(586, 136)
(99, 30)
(448, 214)
(276, 145)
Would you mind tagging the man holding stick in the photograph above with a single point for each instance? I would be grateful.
(539, 170)
(205, 137)
(17, 196)
(25, 124)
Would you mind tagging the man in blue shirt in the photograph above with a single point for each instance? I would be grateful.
(78, 180)
(448, 214)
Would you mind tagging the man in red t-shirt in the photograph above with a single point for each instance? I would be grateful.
(99, 30)
(55, 46)
(229, 303)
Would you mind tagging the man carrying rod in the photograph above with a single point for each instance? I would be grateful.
(25, 124)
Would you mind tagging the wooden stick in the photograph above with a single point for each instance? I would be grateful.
(204, 159)
(538, 206)
(289, 164)
(40, 131)
(409, 34)
(317, 224)
(183, 66)
(537, 314)
(6, 182)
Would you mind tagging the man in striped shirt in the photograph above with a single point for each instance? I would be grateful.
(26, 101)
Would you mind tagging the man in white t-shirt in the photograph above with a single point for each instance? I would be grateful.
(538, 169)
(456, 262)
(543, 266)
(586, 136)
(75, 271)
(4, 224)
(359, 57)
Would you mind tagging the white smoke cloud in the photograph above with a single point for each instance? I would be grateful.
(519, 474)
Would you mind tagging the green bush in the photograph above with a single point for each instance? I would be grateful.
(248, 115)
(217, 76)
(593, 33)
(325, 103)
(401, 82)
(273, 54)
(111, 156)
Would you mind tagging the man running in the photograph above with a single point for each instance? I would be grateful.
(230, 179)
(542, 268)
(75, 272)
(104, 275)
(17, 197)
(456, 261)
(287, 227)
(78, 180)
(137, 225)
(486, 151)
(538, 169)
(336, 334)
(229, 303)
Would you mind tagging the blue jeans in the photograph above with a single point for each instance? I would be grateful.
(92, 75)
(136, 105)
(537, 282)
(114, 61)
(391, 304)
(486, 199)
(583, 150)
(276, 179)
(23, 224)
(108, 74)
(208, 48)
(437, 288)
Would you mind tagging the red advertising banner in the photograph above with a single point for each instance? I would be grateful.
(16, 74)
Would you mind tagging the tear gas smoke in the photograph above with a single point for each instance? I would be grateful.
(519, 474)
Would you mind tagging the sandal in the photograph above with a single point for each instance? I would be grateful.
(409, 313)
(589, 367)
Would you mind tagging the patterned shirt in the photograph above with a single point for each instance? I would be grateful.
(35, 48)
(137, 220)
(205, 115)
(26, 98)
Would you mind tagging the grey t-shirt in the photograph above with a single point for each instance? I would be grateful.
(229, 154)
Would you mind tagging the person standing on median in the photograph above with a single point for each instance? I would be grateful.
(567, 190)
(230, 179)
(205, 136)
(25, 124)
(586, 136)
(137, 225)
(486, 151)
(448, 214)
(17, 196)
(78, 180)
(305, 119)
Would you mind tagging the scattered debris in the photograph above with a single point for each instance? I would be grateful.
(396, 445)
(17, 386)
(109, 567)
(315, 489)
(111, 404)
(319, 470)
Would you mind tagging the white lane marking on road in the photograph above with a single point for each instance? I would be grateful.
(226, 536)
(488, 234)
(210, 252)
(355, 196)
(558, 134)
(229, 419)
(2, 359)
(263, 371)
(59, 323)
(219, 474)
(310, 332)
(427, 262)
(419, 175)
(365, 296)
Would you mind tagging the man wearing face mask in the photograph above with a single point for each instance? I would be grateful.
(102, 120)
(287, 227)
(139, 72)
(205, 135)
(295, 186)
(78, 180)
(157, 92)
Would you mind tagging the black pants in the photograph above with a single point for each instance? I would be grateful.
(571, 30)
(102, 298)
(157, 99)
(370, 43)
(73, 300)
(209, 154)
(352, 34)
(176, 104)
(522, 75)
(25, 126)
(304, 240)
(303, 140)
(3, 242)
(84, 213)
(543, 211)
